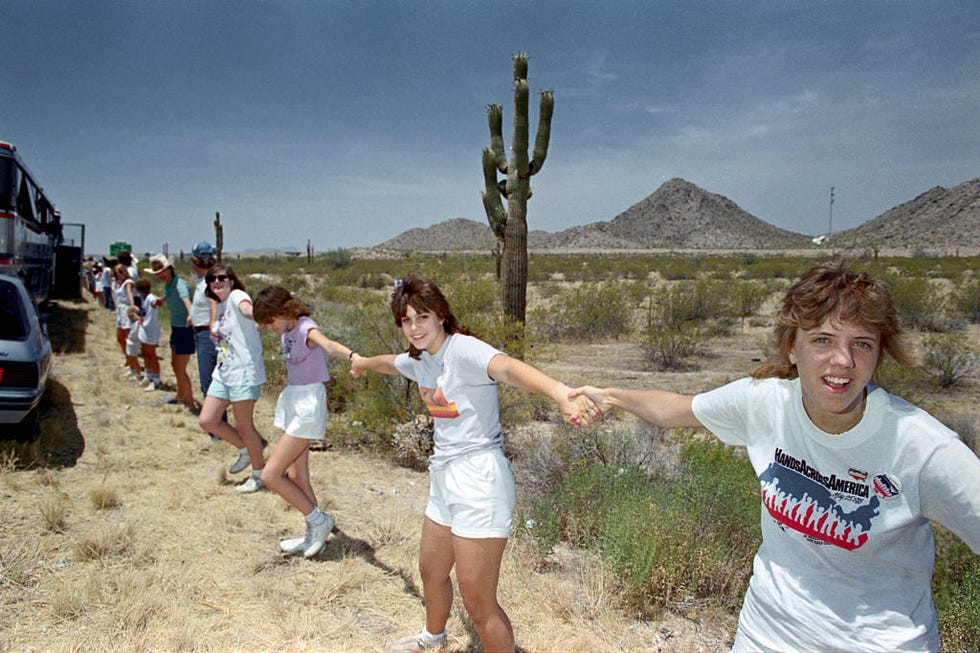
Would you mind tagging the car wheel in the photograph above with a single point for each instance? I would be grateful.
(26, 430)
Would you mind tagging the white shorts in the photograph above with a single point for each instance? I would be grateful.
(301, 411)
(474, 495)
(132, 347)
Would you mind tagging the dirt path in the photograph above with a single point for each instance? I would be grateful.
(141, 544)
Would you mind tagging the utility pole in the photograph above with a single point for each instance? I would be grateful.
(830, 225)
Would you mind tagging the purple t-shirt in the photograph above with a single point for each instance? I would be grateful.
(304, 365)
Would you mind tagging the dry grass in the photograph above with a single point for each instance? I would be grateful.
(139, 542)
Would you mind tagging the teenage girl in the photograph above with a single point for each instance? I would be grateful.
(122, 296)
(301, 411)
(238, 377)
(472, 492)
(850, 475)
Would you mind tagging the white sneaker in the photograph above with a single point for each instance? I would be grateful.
(316, 535)
(150, 387)
(240, 463)
(293, 546)
(251, 484)
(417, 643)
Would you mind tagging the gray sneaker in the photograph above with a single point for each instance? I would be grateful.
(293, 546)
(416, 643)
(251, 484)
(240, 463)
(316, 536)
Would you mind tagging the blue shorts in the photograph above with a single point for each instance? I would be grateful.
(182, 340)
(234, 393)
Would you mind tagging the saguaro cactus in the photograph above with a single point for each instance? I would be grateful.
(219, 235)
(510, 225)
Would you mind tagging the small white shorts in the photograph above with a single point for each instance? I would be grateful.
(301, 411)
(132, 347)
(474, 495)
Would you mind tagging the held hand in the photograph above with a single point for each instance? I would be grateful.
(578, 410)
(598, 401)
(357, 366)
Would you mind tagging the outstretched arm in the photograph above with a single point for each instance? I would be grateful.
(659, 407)
(332, 347)
(382, 364)
(504, 369)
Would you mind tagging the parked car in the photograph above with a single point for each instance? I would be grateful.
(25, 360)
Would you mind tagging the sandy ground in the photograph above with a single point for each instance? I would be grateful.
(140, 542)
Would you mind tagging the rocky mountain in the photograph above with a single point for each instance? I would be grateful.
(680, 215)
(938, 219)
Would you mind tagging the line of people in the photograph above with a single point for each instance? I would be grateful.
(810, 414)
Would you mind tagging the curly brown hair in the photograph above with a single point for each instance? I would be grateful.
(844, 296)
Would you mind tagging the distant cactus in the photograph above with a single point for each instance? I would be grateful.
(510, 225)
(219, 236)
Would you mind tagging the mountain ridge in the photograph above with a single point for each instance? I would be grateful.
(681, 215)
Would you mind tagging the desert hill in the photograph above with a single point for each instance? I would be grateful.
(681, 215)
(940, 218)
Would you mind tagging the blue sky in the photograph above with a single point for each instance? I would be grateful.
(347, 123)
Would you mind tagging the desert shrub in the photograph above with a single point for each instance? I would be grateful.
(593, 311)
(921, 304)
(412, 443)
(949, 358)
(746, 297)
(692, 536)
(956, 590)
(905, 382)
(686, 301)
(966, 300)
(337, 258)
(670, 347)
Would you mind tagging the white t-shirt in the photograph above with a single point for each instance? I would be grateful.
(200, 305)
(121, 298)
(150, 330)
(460, 395)
(239, 344)
(847, 549)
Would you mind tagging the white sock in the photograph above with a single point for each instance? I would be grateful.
(429, 638)
(315, 517)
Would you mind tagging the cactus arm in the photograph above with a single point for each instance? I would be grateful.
(495, 116)
(545, 111)
(494, 208)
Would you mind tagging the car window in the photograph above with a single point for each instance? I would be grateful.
(13, 320)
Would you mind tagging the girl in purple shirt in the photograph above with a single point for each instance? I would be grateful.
(301, 411)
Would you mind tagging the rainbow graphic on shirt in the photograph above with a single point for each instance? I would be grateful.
(436, 402)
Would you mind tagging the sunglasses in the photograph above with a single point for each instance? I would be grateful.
(211, 278)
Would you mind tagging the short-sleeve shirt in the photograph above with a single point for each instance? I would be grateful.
(239, 344)
(200, 305)
(177, 292)
(150, 331)
(847, 548)
(304, 364)
(459, 393)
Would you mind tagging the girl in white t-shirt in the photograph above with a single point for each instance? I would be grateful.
(239, 375)
(472, 493)
(850, 475)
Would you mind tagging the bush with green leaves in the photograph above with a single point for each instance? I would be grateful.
(949, 358)
(588, 312)
(965, 300)
(693, 535)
